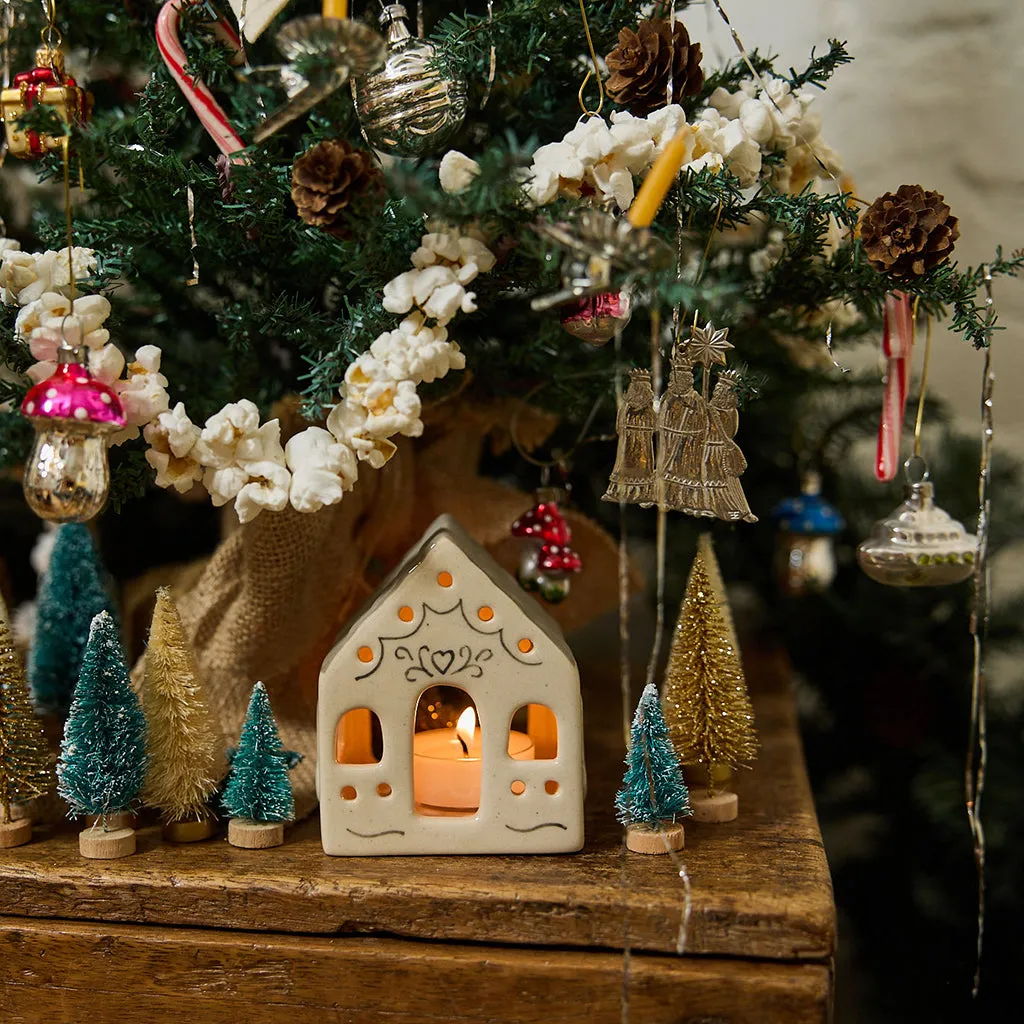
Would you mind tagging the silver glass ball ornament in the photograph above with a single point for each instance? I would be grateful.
(408, 107)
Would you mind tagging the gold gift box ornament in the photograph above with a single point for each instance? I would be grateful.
(46, 85)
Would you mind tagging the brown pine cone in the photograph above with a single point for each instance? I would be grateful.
(645, 63)
(909, 233)
(328, 179)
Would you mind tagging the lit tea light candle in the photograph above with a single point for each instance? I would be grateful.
(447, 763)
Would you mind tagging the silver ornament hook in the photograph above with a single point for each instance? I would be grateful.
(68, 350)
(915, 470)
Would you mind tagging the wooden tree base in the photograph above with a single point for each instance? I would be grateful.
(717, 809)
(26, 809)
(15, 833)
(641, 839)
(189, 831)
(96, 844)
(255, 835)
(122, 819)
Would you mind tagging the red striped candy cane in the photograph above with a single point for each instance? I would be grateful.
(898, 349)
(211, 114)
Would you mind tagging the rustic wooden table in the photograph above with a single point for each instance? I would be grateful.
(209, 933)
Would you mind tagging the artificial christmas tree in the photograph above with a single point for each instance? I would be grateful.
(707, 708)
(653, 795)
(103, 754)
(72, 593)
(184, 746)
(26, 767)
(258, 796)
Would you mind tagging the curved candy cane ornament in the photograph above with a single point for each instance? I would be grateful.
(211, 114)
(898, 349)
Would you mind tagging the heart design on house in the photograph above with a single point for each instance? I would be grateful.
(442, 661)
(436, 663)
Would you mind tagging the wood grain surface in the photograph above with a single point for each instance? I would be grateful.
(117, 974)
(761, 886)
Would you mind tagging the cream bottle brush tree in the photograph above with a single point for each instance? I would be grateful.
(186, 750)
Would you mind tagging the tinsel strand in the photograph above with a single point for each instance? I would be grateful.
(684, 920)
(831, 351)
(193, 243)
(977, 742)
(624, 684)
(662, 528)
(623, 571)
(493, 65)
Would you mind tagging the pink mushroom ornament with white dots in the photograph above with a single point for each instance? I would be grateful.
(67, 475)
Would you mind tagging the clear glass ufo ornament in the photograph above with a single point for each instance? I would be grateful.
(918, 545)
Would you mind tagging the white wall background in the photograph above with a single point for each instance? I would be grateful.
(933, 97)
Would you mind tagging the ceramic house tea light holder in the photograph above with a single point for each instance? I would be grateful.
(449, 716)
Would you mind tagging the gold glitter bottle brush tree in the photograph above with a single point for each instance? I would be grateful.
(704, 696)
(26, 767)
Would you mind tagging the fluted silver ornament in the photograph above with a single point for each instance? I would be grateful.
(344, 47)
(407, 107)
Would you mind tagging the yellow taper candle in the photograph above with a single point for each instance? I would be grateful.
(658, 181)
(335, 9)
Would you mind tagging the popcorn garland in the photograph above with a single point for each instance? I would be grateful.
(234, 456)
(780, 120)
(41, 285)
(735, 132)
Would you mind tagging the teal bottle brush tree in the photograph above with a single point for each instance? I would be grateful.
(72, 593)
(258, 796)
(654, 796)
(103, 754)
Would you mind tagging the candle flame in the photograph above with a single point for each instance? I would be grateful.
(465, 727)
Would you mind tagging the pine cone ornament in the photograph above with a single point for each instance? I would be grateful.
(909, 233)
(328, 179)
(649, 61)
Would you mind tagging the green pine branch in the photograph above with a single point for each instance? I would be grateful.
(821, 68)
